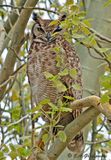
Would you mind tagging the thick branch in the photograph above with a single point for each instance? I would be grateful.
(95, 102)
(15, 44)
(71, 130)
(12, 18)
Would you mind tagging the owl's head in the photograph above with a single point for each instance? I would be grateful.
(44, 30)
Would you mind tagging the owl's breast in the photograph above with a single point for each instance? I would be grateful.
(40, 61)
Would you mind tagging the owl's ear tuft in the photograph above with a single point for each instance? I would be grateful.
(34, 16)
(63, 17)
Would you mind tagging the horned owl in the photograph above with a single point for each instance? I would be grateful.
(43, 58)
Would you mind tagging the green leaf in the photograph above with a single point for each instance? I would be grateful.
(2, 12)
(13, 155)
(69, 97)
(87, 22)
(104, 98)
(107, 3)
(64, 72)
(1, 154)
(60, 86)
(76, 86)
(81, 15)
(59, 103)
(56, 49)
(90, 41)
(64, 109)
(16, 112)
(85, 30)
(48, 75)
(40, 105)
(45, 101)
(37, 108)
(23, 151)
(75, 21)
(62, 136)
(103, 49)
(59, 60)
(53, 106)
(53, 23)
(37, 115)
(72, 72)
(5, 148)
(75, 35)
(105, 81)
(45, 138)
(74, 8)
(69, 2)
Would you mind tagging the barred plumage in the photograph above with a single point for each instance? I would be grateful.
(42, 57)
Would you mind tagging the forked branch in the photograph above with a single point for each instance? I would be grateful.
(94, 109)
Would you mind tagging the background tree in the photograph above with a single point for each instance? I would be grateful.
(92, 35)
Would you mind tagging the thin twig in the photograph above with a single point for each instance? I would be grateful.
(17, 55)
(20, 120)
(89, 51)
(22, 7)
(97, 51)
(98, 142)
(12, 76)
(102, 37)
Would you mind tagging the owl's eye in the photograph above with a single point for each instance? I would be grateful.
(58, 29)
(40, 29)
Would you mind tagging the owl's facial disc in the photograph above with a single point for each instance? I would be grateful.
(43, 31)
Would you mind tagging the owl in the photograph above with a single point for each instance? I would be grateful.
(45, 57)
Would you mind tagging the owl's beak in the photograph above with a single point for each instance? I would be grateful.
(48, 36)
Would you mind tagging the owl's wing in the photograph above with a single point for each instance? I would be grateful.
(74, 85)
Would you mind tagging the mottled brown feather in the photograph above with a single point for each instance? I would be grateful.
(42, 58)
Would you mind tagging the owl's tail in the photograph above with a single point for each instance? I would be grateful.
(77, 143)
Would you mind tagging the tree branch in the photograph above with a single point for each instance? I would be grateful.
(12, 76)
(2, 35)
(15, 43)
(71, 130)
(12, 18)
(102, 37)
(22, 7)
(95, 102)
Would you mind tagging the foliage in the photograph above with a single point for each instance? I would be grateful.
(16, 104)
